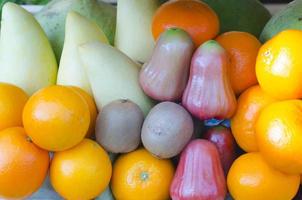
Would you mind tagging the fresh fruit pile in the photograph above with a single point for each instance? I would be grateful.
(152, 100)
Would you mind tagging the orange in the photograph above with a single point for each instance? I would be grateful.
(56, 118)
(279, 135)
(82, 172)
(23, 165)
(193, 16)
(12, 101)
(243, 49)
(250, 104)
(139, 175)
(92, 110)
(250, 178)
(278, 65)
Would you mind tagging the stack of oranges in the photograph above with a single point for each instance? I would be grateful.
(267, 124)
(56, 118)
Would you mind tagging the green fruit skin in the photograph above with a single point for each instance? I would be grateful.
(240, 15)
(288, 18)
(2, 2)
(52, 19)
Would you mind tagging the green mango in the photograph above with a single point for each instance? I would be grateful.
(240, 15)
(26, 57)
(2, 2)
(36, 2)
(52, 19)
(288, 18)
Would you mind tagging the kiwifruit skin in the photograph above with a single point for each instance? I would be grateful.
(118, 126)
(167, 129)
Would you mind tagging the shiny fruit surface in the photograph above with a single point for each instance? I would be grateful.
(243, 50)
(250, 178)
(139, 175)
(23, 165)
(193, 16)
(279, 135)
(250, 104)
(12, 101)
(278, 66)
(82, 172)
(56, 118)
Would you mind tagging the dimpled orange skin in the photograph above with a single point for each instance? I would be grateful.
(56, 118)
(12, 101)
(250, 178)
(23, 165)
(139, 175)
(279, 135)
(193, 16)
(92, 109)
(82, 172)
(242, 48)
(278, 66)
(250, 104)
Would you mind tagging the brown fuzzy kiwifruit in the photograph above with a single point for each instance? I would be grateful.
(118, 126)
(167, 129)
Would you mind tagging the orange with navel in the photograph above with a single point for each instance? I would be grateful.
(279, 135)
(139, 175)
(278, 65)
(250, 178)
(242, 48)
(23, 165)
(250, 104)
(56, 118)
(12, 101)
(82, 172)
(193, 16)
(92, 109)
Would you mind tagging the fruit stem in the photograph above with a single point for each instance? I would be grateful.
(28, 139)
(144, 176)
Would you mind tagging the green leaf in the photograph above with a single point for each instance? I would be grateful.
(34, 2)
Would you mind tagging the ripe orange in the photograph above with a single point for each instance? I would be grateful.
(193, 16)
(56, 118)
(92, 110)
(23, 165)
(250, 178)
(279, 135)
(278, 65)
(82, 172)
(250, 104)
(139, 175)
(12, 101)
(243, 50)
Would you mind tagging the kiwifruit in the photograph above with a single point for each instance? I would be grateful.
(118, 126)
(167, 129)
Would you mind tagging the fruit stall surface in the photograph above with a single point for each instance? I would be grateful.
(151, 99)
